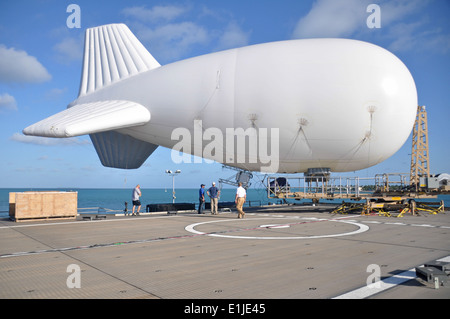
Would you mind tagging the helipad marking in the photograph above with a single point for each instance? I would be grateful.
(382, 285)
(361, 228)
(379, 286)
(275, 226)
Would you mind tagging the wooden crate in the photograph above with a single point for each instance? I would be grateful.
(42, 205)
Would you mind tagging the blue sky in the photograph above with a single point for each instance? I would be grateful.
(41, 57)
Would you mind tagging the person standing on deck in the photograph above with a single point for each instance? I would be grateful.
(213, 193)
(136, 202)
(241, 196)
(201, 198)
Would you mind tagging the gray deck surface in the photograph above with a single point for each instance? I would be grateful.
(155, 256)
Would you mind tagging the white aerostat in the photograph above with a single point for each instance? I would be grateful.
(284, 107)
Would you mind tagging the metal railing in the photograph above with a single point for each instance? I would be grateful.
(333, 187)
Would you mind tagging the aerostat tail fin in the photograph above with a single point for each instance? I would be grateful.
(90, 118)
(112, 53)
(121, 151)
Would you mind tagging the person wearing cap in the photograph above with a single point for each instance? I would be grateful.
(201, 198)
(240, 198)
(213, 193)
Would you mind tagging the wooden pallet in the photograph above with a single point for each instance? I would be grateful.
(30, 219)
(33, 206)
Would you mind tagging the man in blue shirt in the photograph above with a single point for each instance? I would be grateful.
(201, 198)
(213, 193)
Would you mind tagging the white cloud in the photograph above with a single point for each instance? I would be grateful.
(415, 33)
(402, 23)
(55, 94)
(408, 29)
(393, 11)
(159, 27)
(174, 40)
(170, 36)
(69, 49)
(414, 36)
(154, 14)
(404, 36)
(16, 66)
(233, 37)
(332, 18)
(47, 141)
(7, 102)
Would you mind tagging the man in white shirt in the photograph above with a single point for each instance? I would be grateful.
(136, 194)
(241, 196)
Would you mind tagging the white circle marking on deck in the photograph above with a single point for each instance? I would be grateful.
(361, 228)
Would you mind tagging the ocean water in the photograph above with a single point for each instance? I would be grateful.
(113, 200)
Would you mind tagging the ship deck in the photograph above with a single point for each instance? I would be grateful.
(279, 252)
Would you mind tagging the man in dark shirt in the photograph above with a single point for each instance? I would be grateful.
(213, 193)
(201, 198)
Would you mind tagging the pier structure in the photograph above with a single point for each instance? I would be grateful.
(384, 193)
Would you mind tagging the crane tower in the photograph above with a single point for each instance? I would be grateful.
(420, 161)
